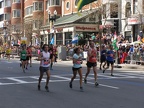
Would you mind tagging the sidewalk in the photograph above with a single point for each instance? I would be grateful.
(126, 66)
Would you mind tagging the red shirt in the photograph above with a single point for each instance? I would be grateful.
(92, 59)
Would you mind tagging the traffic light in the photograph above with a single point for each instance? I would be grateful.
(116, 25)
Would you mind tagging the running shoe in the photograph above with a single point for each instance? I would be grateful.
(96, 84)
(81, 89)
(70, 84)
(85, 80)
(112, 75)
(24, 70)
(104, 71)
(38, 87)
(47, 89)
(20, 64)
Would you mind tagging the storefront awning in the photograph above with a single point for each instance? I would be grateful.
(72, 18)
(67, 19)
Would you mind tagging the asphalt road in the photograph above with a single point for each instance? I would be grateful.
(19, 90)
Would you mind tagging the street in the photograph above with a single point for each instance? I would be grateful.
(19, 90)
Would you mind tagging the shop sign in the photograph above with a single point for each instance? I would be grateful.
(133, 21)
(84, 28)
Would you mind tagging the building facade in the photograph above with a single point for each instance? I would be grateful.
(35, 19)
(71, 24)
(11, 16)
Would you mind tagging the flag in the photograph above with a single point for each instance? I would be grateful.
(82, 3)
(19, 42)
(52, 41)
(75, 40)
(115, 43)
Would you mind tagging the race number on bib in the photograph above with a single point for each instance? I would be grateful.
(46, 62)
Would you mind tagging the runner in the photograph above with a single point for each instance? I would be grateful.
(103, 57)
(77, 61)
(8, 53)
(51, 56)
(110, 59)
(29, 50)
(55, 53)
(29, 57)
(91, 62)
(23, 56)
(44, 58)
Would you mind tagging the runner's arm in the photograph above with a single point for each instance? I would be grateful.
(40, 57)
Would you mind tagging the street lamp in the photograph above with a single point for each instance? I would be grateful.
(52, 19)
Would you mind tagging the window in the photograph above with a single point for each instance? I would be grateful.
(1, 17)
(67, 5)
(104, 11)
(128, 10)
(54, 2)
(37, 6)
(1, 4)
(76, 2)
(16, 1)
(68, 37)
(7, 16)
(29, 10)
(113, 10)
(16, 13)
(57, 2)
(47, 4)
(7, 3)
(37, 24)
(59, 39)
(135, 6)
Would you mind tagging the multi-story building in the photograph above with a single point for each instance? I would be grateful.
(70, 23)
(11, 16)
(136, 19)
(32, 18)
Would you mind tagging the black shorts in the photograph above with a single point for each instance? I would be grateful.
(76, 69)
(103, 59)
(27, 58)
(89, 64)
(23, 59)
(43, 69)
(110, 62)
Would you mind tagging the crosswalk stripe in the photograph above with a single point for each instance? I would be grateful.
(17, 80)
(105, 85)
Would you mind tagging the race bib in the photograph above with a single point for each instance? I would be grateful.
(79, 62)
(46, 62)
(23, 54)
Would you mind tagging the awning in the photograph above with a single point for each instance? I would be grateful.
(72, 18)
(67, 19)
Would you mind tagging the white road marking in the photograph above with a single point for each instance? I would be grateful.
(56, 76)
(105, 85)
(67, 77)
(17, 80)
